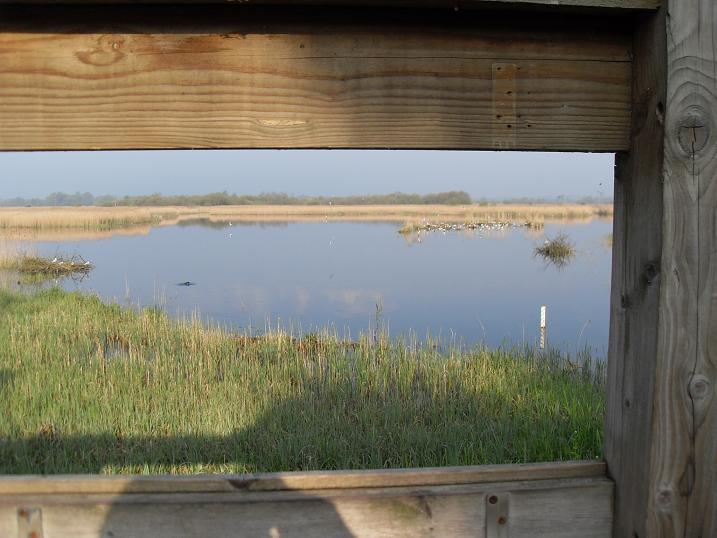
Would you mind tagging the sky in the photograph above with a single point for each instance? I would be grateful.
(491, 175)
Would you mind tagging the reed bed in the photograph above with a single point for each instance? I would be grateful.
(94, 387)
(84, 218)
(112, 218)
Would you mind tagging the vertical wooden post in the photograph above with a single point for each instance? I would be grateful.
(661, 432)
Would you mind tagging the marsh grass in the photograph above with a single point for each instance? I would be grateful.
(81, 218)
(36, 219)
(94, 387)
(559, 250)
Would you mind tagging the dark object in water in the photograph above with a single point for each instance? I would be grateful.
(187, 283)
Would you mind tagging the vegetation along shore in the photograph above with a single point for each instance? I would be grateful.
(94, 387)
(14, 220)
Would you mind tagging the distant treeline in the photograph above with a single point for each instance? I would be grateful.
(59, 199)
(278, 198)
(225, 198)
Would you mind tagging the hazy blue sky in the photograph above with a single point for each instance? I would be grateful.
(482, 174)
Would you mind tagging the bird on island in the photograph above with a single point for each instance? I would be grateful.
(54, 260)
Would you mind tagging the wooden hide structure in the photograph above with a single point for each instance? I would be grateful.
(634, 77)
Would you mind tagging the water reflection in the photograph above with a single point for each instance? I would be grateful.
(473, 285)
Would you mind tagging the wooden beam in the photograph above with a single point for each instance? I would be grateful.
(662, 413)
(562, 499)
(109, 79)
(297, 481)
(636, 277)
(619, 5)
(683, 476)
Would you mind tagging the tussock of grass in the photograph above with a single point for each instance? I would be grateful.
(558, 250)
(409, 228)
(91, 387)
(37, 266)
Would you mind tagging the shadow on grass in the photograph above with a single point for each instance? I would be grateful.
(287, 436)
(344, 426)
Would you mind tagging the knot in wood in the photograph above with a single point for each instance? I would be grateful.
(664, 499)
(107, 50)
(700, 387)
(650, 273)
(693, 131)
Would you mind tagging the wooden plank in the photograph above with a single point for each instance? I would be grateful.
(45, 485)
(110, 80)
(623, 5)
(569, 507)
(661, 437)
(683, 485)
(636, 277)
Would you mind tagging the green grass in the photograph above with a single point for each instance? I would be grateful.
(91, 387)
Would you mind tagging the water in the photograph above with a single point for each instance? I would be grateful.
(467, 286)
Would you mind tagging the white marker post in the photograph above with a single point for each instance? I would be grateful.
(542, 327)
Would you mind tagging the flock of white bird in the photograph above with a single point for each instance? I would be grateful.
(62, 262)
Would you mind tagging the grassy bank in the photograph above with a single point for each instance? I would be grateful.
(91, 387)
(33, 219)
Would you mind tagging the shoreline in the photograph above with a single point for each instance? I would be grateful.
(94, 218)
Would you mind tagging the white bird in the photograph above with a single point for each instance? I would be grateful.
(230, 224)
(230, 235)
(54, 260)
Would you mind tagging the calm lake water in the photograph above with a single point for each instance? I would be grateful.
(468, 286)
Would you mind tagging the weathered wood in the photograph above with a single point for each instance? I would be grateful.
(661, 438)
(45, 485)
(683, 476)
(464, 4)
(110, 80)
(549, 508)
(634, 302)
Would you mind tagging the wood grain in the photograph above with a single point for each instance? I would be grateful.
(661, 435)
(257, 81)
(683, 478)
(636, 278)
(296, 481)
(539, 508)
(627, 5)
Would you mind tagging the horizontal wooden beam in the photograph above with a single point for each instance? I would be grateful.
(131, 78)
(435, 476)
(622, 5)
(557, 499)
